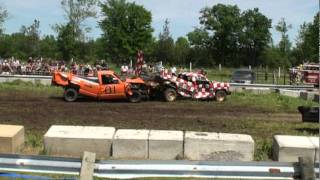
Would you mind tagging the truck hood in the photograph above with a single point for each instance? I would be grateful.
(223, 85)
(135, 80)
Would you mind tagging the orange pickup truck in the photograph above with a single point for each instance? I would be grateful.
(107, 85)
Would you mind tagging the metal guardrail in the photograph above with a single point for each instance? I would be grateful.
(26, 76)
(272, 86)
(122, 169)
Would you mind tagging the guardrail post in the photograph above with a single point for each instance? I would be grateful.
(306, 168)
(87, 166)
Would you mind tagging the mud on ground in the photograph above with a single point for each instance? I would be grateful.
(39, 108)
(40, 112)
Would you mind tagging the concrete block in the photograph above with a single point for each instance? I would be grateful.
(11, 138)
(44, 81)
(130, 144)
(290, 93)
(315, 141)
(236, 89)
(289, 148)
(165, 145)
(258, 90)
(74, 140)
(307, 95)
(218, 146)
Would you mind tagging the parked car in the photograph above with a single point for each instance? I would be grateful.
(245, 76)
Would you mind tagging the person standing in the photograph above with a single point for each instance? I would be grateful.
(140, 60)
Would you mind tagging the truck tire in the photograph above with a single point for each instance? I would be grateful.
(135, 97)
(220, 96)
(170, 95)
(70, 94)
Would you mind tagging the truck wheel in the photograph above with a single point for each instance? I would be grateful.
(135, 97)
(220, 96)
(70, 95)
(170, 95)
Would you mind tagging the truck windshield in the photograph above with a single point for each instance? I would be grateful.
(116, 75)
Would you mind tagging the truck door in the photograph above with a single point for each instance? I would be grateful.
(89, 86)
(111, 87)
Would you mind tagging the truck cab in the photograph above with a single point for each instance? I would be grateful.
(106, 85)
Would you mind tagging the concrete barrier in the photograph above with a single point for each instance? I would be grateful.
(289, 148)
(236, 89)
(130, 144)
(43, 81)
(74, 140)
(307, 95)
(258, 90)
(290, 93)
(165, 145)
(315, 141)
(218, 146)
(11, 138)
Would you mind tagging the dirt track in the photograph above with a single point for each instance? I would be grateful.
(38, 113)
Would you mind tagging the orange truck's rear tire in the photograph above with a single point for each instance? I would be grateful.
(135, 97)
(70, 94)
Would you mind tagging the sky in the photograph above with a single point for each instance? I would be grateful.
(182, 14)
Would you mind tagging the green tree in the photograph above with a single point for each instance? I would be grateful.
(5, 45)
(312, 38)
(165, 45)
(71, 35)
(223, 21)
(198, 38)
(150, 51)
(33, 30)
(199, 51)
(255, 36)
(76, 12)
(22, 44)
(232, 37)
(67, 44)
(49, 47)
(3, 17)
(87, 51)
(307, 42)
(101, 51)
(126, 29)
(18, 46)
(32, 35)
(284, 44)
(273, 58)
(181, 51)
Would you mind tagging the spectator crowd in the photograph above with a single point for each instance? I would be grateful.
(46, 67)
(41, 66)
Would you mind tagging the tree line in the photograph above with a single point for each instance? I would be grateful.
(226, 36)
